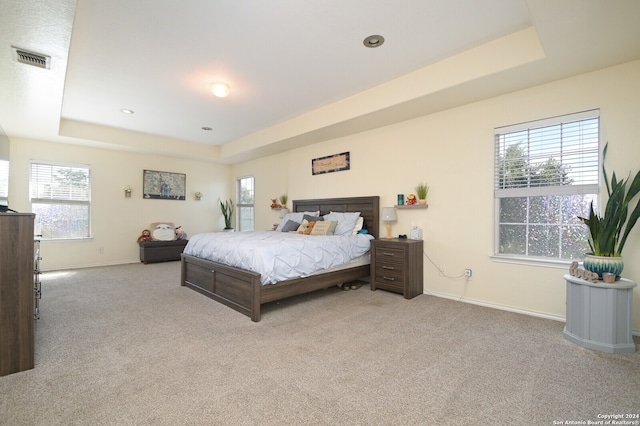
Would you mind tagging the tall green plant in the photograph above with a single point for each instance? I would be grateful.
(227, 210)
(607, 232)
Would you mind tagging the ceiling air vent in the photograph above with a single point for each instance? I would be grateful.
(31, 58)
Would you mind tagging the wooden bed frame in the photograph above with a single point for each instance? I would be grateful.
(241, 289)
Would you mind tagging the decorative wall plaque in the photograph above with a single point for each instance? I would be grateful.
(330, 163)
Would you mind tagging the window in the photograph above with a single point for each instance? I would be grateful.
(245, 209)
(546, 174)
(60, 198)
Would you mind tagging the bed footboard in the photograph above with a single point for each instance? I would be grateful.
(236, 288)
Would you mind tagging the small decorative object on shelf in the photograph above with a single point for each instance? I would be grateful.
(411, 199)
(400, 199)
(422, 190)
(198, 195)
(283, 200)
(274, 203)
(127, 190)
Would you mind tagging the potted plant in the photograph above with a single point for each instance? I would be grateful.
(607, 231)
(283, 200)
(421, 191)
(227, 210)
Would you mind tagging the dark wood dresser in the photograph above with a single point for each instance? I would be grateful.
(396, 265)
(16, 292)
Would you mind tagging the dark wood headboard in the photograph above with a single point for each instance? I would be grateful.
(369, 208)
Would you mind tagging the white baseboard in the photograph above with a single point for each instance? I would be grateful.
(507, 308)
(96, 265)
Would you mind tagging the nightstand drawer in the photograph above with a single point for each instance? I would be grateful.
(389, 254)
(389, 273)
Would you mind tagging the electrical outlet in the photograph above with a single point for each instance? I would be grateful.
(468, 273)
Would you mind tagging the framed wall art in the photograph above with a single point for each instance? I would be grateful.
(330, 163)
(164, 185)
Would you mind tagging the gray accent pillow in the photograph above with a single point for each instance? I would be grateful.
(311, 218)
(290, 226)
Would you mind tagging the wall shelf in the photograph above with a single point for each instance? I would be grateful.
(411, 206)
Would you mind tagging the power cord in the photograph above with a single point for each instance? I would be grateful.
(441, 270)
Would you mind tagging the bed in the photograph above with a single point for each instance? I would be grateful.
(243, 291)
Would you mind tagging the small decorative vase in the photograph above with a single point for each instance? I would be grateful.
(422, 201)
(602, 264)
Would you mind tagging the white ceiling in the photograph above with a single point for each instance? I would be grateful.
(298, 70)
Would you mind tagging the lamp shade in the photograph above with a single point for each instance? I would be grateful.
(283, 212)
(389, 214)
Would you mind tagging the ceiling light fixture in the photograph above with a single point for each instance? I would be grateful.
(373, 41)
(221, 90)
(126, 111)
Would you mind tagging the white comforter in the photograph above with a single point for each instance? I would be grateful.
(278, 256)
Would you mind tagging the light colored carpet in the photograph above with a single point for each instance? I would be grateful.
(127, 345)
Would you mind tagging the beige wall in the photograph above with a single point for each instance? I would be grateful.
(116, 221)
(453, 151)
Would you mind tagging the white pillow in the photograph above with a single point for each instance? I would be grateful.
(296, 217)
(359, 225)
(346, 221)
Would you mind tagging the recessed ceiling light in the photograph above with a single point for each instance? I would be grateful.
(127, 111)
(373, 41)
(221, 90)
(207, 128)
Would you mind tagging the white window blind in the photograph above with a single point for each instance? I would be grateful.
(59, 182)
(550, 154)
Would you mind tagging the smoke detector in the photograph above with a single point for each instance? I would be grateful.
(31, 58)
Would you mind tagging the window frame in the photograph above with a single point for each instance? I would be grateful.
(588, 191)
(240, 207)
(60, 201)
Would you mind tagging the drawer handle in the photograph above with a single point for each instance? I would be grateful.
(388, 278)
(384, 253)
(388, 267)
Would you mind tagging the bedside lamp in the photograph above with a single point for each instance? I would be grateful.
(389, 215)
(283, 212)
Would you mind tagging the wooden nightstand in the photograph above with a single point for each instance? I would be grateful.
(396, 265)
